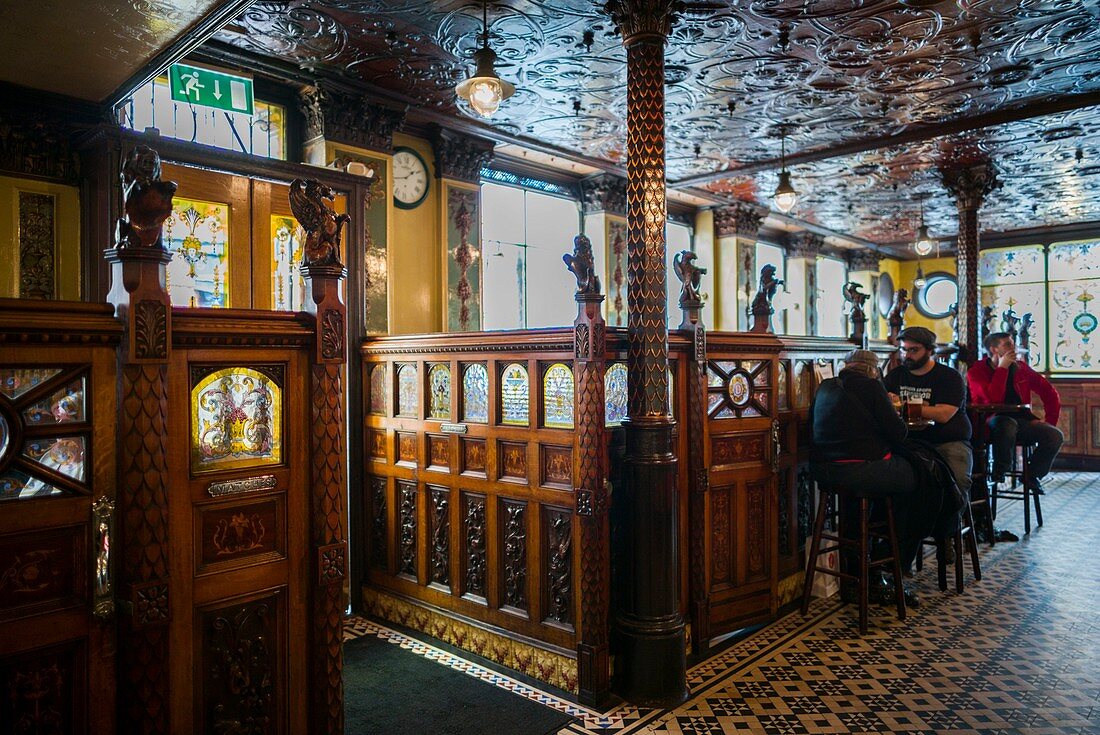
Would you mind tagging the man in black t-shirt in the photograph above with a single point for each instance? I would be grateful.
(941, 392)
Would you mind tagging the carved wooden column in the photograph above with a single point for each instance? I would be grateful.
(802, 251)
(603, 197)
(735, 229)
(458, 163)
(138, 261)
(323, 272)
(593, 657)
(864, 268)
(651, 662)
(969, 184)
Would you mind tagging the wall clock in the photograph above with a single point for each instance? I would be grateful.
(410, 178)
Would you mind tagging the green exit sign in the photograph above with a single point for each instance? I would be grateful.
(200, 86)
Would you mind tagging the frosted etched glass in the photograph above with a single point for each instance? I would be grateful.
(1073, 260)
(1011, 265)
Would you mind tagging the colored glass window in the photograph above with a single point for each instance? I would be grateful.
(1021, 299)
(1012, 265)
(65, 405)
(61, 454)
(197, 234)
(439, 386)
(557, 397)
(287, 284)
(614, 386)
(378, 390)
(407, 402)
(1073, 325)
(16, 485)
(515, 396)
(236, 420)
(14, 382)
(475, 394)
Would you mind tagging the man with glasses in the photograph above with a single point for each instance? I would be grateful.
(940, 393)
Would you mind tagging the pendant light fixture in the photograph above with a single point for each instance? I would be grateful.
(785, 194)
(924, 243)
(485, 90)
(919, 280)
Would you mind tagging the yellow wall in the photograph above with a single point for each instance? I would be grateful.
(416, 256)
(907, 271)
(889, 265)
(66, 234)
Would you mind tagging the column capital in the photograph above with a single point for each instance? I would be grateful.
(804, 244)
(350, 119)
(604, 192)
(638, 19)
(459, 156)
(865, 260)
(740, 220)
(970, 183)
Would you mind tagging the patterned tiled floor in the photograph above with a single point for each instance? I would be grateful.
(1018, 652)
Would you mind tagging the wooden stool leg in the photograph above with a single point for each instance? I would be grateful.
(941, 563)
(899, 588)
(972, 543)
(1027, 502)
(864, 572)
(815, 547)
(958, 542)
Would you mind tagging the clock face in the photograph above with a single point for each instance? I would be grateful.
(410, 178)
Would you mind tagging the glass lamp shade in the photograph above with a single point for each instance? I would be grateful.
(924, 244)
(919, 280)
(785, 195)
(485, 90)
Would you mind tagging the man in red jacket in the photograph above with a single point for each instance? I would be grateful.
(1000, 378)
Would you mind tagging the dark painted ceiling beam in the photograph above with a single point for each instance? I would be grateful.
(916, 134)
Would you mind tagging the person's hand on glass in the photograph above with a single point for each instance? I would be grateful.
(895, 401)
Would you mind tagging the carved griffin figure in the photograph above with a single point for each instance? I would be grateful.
(769, 284)
(690, 276)
(897, 311)
(146, 200)
(322, 225)
(854, 295)
(582, 266)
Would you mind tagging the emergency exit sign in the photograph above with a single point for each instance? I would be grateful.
(208, 88)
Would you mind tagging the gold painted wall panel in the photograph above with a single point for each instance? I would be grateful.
(66, 236)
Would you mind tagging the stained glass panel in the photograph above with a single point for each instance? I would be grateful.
(739, 388)
(16, 485)
(439, 385)
(614, 386)
(66, 405)
(557, 396)
(14, 382)
(1011, 265)
(475, 394)
(63, 454)
(713, 399)
(378, 390)
(781, 388)
(1021, 298)
(407, 403)
(236, 420)
(288, 286)
(515, 394)
(714, 378)
(1074, 321)
(5, 433)
(1073, 260)
(197, 234)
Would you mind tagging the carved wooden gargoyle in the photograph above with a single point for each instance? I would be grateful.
(897, 311)
(690, 276)
(582, 265)
(854, 295)
(762, 303)
(146, 200)
(309, 203)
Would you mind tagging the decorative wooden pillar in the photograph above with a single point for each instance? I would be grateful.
(593, 658)
(458, 163)
(864, 268)
(651, 663)
(969, 184)
(691, 303)
(323, 272)
(138, 261)
(735, 229)
(802, 251)
(603, 197)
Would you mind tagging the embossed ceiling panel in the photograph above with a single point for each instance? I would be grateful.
(88, 49)
(837, 71)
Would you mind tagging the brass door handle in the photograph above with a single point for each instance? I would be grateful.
(103, 526)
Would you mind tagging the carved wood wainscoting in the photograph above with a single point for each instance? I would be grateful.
(239, 509)
(469, 494)
(58, 383)
(803, 363)
(1079, 422)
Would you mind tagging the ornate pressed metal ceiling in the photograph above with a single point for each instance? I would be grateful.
(837, 72)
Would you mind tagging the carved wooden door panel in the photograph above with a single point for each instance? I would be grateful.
(238, 509)
(57, 484)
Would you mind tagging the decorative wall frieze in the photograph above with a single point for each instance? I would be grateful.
(738, 220)
(864, 260)
(36, 144)
(604, 193)
(349, 118)
(459, 156)
(804, 244)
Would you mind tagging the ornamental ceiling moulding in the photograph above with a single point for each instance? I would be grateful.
(459, 156)
(804, 245)
(864, 260)
(351, 119)
(604, 193)
(738, 220)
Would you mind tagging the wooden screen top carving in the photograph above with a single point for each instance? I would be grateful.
(146, 200)
(309, 203)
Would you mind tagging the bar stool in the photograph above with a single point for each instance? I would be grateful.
(827, 506)
(965, 532)
(1023, 491)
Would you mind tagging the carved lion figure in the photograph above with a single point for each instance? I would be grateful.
(146, 200)
(582, 265)
(308, 202)
(690, 276)
(769, 284)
